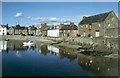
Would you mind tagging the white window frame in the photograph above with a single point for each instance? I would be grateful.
(112, 18)
(81, 26)
(86, 26)
(90, 27)
(99, 25)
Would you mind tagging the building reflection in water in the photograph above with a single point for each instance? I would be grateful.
(53, 50)
(3, 46)
(16, 45)
(18, 54)
(67, 53)
(99, 65)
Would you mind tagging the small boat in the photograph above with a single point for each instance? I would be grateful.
(28, 43)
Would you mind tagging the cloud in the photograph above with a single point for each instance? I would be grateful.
(50, 20)
(19, 15)
(29, 17)
(34, 19)
(57, 21)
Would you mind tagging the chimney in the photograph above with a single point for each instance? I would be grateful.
(45, 23)
(71, 23)
(84, 17)
(61, 25)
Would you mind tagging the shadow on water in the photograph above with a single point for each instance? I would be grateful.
(87, 65)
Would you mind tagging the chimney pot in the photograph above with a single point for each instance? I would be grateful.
(84, 17)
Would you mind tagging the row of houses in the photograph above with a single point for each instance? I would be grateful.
(100, 25)
(17, 30)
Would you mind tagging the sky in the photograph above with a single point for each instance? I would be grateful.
(35, 13)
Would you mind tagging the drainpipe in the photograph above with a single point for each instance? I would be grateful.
(104, 28)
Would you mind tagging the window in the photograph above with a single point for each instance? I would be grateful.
(112, 18)
(81, 26)
(108, 25)
(68, 30)
(86, 26)
(99, 25)
(90, 27)
(84, 33)
(64, 30)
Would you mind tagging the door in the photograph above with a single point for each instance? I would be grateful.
(97, 33)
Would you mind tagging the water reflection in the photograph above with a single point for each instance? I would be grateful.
(96, 65)
(99, 65)
(18, 54)
(3, 46)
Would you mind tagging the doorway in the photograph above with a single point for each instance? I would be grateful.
(97, 33)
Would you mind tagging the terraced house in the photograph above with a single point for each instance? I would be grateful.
(69, 30)
(18, 30)
(32, 30)
(101, 25)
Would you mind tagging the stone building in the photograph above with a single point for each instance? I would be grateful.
(69, 30)
(38, 31)
(32, 30)
(18, 30)
(101, 25)
(44, 31)
(21, 30)
(11, 30)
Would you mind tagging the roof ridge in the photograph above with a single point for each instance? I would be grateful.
(99, 14)
(95, 18)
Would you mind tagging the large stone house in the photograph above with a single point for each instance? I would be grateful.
(69, 30)
(101, 25)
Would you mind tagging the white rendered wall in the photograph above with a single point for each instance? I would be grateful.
(53, 33)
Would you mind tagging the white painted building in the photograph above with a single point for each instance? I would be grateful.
(3, 30)
(53, 32)
(53, 49)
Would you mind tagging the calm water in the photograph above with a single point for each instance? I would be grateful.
(48, 60)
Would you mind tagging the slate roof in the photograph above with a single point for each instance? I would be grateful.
(95, 18)
(21, 28)
(3, 25)
(45, 29)
(68, 27)
(33, 28)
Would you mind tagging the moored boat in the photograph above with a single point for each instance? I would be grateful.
(28, 43)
